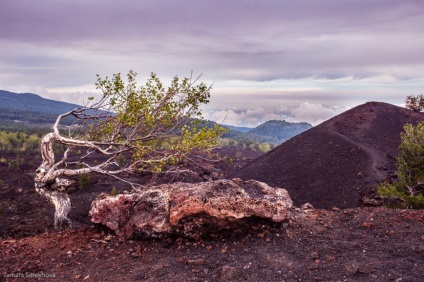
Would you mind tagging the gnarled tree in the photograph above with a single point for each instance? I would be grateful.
(409, 188)
(130, 128)
(415, 103)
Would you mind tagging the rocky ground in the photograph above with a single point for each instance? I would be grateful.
(361, 244)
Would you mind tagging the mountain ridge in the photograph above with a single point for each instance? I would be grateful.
(32, 108)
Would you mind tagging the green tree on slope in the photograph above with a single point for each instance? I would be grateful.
(410, 169)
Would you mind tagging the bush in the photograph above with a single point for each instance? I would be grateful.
(15, 164)
(84, 181)
(114, 192)
(410, 170)
(402, 199)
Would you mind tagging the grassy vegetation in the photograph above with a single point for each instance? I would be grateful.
(16, 145)
(19, 142)
(246, 143)
(84, 181)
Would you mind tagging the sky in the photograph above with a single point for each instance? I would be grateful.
(295, 60)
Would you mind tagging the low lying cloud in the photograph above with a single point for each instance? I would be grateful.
(314, 113)
(248, 118)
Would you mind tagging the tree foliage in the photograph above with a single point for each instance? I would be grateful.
(149, 128)
(410, 169)
(415, 103)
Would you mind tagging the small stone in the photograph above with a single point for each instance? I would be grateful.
(86, 277)
(209, 248)
(247, 266)
(77, 276)
(138, 250)
(351, 268)
(181, 259)
(367, 224)
(314, 255)
(229, 273)
(260, 235)
(329, 258)
(96, 236)
(196, 262)
(69, 252)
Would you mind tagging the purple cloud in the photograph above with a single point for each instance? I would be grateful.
(373, 46)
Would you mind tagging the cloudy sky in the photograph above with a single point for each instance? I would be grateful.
(297, 60)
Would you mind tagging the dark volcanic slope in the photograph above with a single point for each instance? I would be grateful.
(333, 164)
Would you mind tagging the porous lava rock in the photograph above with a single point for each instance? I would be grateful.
(191, 209)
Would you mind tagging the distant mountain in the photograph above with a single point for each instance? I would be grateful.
(273, 131)
(238, 128)
(31, 108)
(280, 130)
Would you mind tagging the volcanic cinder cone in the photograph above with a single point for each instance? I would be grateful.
(337, 162)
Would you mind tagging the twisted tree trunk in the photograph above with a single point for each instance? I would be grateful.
(50, 186)
(48, 181)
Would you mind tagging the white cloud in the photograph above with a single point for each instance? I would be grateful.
(249, 118)
(314, 113)
(313, 57)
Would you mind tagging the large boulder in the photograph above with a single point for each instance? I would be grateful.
(191, 209)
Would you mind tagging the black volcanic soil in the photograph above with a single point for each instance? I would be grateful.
(366, 244)
(339, 161)
(362, 244)
(359, 244)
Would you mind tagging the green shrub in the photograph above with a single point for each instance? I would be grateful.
(229, 160)
(120, 160)
(402, 198)
(84, 181)
(409, 188)
(15, 164)
(114, 192)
